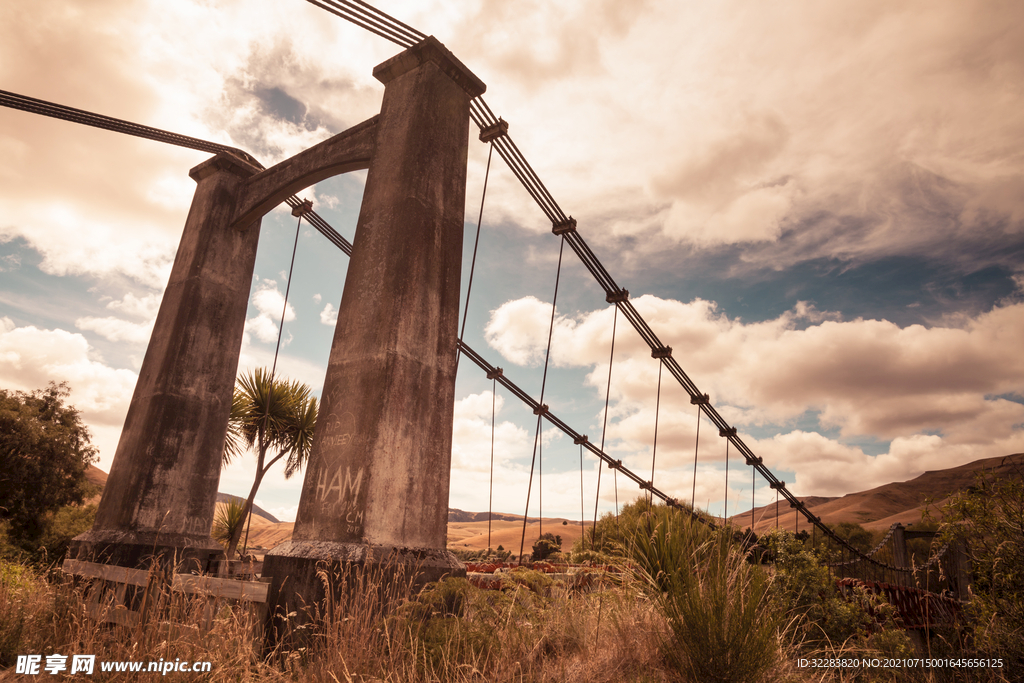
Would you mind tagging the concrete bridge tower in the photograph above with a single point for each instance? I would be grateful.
(376, 485)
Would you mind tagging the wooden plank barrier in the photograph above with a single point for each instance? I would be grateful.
(151, 582)
(249, 591)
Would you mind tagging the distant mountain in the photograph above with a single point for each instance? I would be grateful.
(455, 515)
(882, 506)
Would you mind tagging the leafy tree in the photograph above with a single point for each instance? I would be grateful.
(547, 545)
(61, 527)
(45, 450)
(275, 418)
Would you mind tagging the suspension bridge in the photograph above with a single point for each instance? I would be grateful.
(345, 497)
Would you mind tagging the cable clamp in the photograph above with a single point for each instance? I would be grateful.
(615, 465)
(495, 373)
(579, 440)
(541, 409)
(777, 485)
(731, 431)
(302, 209)
(494, 131)
(663, 352)
(701, 400)
(618, 297)
(672, 502)
(646, 485)
(562, 227)
(754, 461)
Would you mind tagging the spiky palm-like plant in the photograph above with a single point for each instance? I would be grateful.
(229, 517)
(275, 418)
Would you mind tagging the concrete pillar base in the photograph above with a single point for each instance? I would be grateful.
(302, 572)
(181, 553)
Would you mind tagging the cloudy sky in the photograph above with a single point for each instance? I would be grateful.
(819, 206)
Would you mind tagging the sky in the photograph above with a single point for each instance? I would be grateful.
(818, 206)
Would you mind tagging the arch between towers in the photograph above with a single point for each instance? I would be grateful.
(351, 150)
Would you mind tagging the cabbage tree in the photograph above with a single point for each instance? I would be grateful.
(274, 418)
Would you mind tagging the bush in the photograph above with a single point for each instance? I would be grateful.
(819, 616)
(16, 584)
(987, 522)
(62, 526)
(724, 625)
(547, 545)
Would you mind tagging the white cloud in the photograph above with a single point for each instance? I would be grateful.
(285, 514)
(141, 307)
(269, 301)
(938, 386)
(30, 358)
(117, 329)
(471, 436)
(329, 316)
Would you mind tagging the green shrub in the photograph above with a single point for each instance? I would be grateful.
(62, 526)
(452, 627)
(987, 523)
(819, 618)
(724, 626)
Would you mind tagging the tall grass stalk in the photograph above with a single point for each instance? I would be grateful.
(450, 633)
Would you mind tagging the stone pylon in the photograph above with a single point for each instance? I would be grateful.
(161, 491)
(377, 481)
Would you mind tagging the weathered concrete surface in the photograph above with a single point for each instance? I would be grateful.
(378, 471)
(161, 490)
(350, 150)
(377, 479)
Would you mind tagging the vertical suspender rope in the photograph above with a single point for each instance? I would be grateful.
(462, 333)
(541, 409)
(604, 425)
(299, 211)
(583, 517)
(753, 488)
(696, 449)
(776, 508)
(490, 489)
(476, 243)
(654, 453)
(725, 507)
